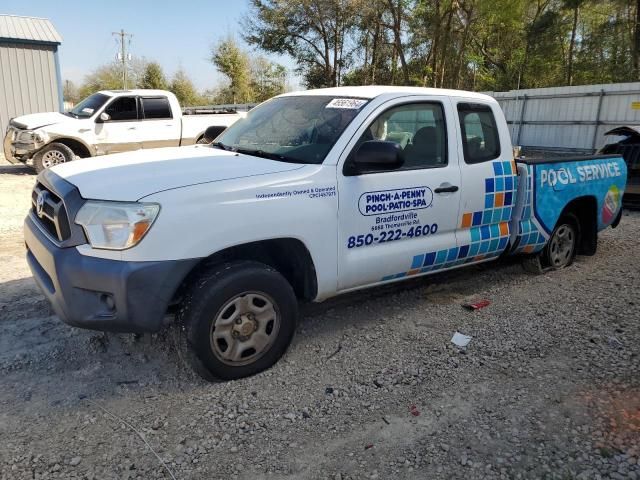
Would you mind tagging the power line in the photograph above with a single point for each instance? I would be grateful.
(123, 53)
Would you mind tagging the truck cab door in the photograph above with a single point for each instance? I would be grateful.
(488, 179)
(119, 132)
(400, 222)
(159, 126)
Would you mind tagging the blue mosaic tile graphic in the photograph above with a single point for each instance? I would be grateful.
(530, 239)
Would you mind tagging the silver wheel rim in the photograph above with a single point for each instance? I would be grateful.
(244, 329)
(52, 157)
(562, 246)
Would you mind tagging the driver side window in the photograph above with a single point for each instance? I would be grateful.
(123, 109)
(419, 129)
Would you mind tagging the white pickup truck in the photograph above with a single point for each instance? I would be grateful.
(107, 122)
(313, 194)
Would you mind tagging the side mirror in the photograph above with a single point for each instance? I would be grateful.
(375, 156)
(211, 133)
(105, 117)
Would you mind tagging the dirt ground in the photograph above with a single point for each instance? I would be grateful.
(372, 387)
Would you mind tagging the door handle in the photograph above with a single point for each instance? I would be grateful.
(83, 130)
(446, 188)
(131, 128)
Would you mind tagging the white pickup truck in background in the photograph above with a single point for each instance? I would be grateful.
(107, 122)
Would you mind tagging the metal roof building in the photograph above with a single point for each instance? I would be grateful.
(574, 117)
(30, 78)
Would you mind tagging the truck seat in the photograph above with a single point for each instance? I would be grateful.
(424, 151)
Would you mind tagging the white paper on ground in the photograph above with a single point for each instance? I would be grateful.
(460, 340)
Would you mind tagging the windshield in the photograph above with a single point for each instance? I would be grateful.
(299, 129)
(88, 106)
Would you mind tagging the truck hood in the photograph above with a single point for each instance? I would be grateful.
(37, 120)
(133, 175)
(627, 131)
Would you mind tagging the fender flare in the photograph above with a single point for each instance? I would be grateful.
(60, 139)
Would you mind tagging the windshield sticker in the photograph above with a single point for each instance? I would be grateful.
(87, 110)
(348, 103)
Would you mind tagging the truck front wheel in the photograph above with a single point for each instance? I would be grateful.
(51, 155)
(236, 320)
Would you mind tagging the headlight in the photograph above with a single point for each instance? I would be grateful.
(116, 225)
(40, 137)
(25, 136)
(29, 136)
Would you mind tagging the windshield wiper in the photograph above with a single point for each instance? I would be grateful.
(220, 145)
(268, 155)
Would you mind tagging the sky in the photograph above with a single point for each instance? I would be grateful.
(173, 33)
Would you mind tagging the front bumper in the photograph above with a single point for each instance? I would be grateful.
(102, 294)
(7, 147)
(15, 152)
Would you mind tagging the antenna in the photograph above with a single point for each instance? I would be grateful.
(122, 56)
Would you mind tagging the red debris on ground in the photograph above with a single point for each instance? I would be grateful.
(414, 410)
(477, 305)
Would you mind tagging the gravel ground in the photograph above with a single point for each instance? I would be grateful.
(372, 387)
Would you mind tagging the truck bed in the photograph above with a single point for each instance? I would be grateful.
(547, 186)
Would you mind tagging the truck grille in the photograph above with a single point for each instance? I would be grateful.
(50, 212)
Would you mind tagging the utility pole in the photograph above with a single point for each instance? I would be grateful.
(123, 53)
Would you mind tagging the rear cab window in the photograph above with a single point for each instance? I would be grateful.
(156, 108)
(480, 139)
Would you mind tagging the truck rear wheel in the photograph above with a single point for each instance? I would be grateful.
(236, 320)
(52, 155)
(562, 245)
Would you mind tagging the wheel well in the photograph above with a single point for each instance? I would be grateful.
(288, 256)
(76, 146)
(586, 211)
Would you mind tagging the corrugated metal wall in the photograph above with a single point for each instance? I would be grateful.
(569, 117)
(28, 81)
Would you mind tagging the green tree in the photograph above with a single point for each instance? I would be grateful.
(153, 77)
(183, 88)
(316, 33)
(106, 77)
(473, 44)
(233, 62)
(70, 92)
(109, 77)
(268, 79)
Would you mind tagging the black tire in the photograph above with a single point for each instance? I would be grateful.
(562, 246)
(208, 300)
(52, 154)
